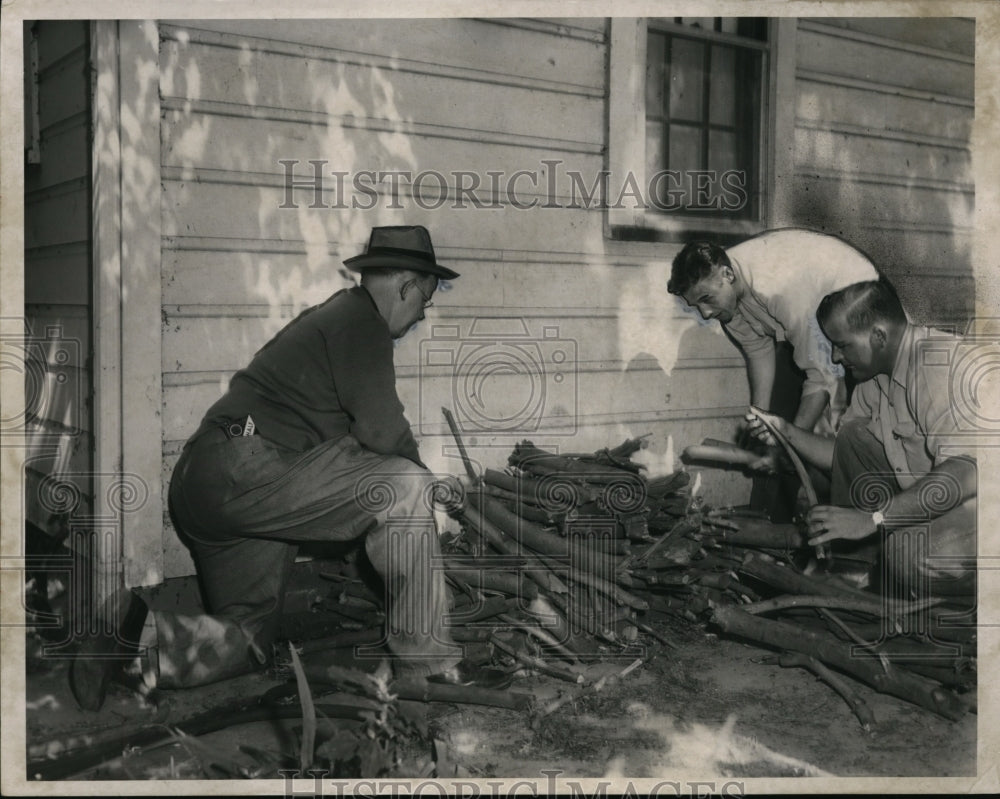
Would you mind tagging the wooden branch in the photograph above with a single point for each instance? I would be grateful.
(870, 606)
(527, 456)
(461, 446)
(534, 569)
(894, 681)
(537, 663)
(800, 469)
(855, 702)
(791, 581)
(732, 455)
(423, 691)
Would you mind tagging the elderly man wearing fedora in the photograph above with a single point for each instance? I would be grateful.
(308, 444)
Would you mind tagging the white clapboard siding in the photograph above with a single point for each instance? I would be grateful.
(884, 111)
(883, 114)
(57, 283)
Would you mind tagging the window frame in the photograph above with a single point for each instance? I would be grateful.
(627, 132)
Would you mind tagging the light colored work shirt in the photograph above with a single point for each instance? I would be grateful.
(786, 273)
(912, 411)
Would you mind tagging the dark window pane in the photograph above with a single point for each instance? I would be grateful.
(687, 60)
(654, 147)
(723, 153)
(685, 148)
(722, 94)
(655, 58)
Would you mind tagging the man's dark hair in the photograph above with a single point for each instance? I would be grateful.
(865, 304)
(694, 263)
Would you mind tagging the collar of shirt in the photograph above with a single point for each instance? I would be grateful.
(903, 365)
(752, 308)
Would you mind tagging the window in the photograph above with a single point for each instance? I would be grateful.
(703, 99)
(692, 120)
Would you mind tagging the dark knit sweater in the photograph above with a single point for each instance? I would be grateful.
(328, 373)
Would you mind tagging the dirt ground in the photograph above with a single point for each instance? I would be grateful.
(707, 706)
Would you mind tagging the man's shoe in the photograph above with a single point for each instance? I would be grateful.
(465, 672)
(100, 656)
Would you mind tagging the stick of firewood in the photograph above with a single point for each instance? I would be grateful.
(620, 595)
(783, 636)
(466, 461)
(791, 581)
(682, 527)
(855, 702)
(756, 533)
(720, 454)
(534, 569)
(837, 603)
(542, 635)
(541, 492)
(537, 663)
(800, 469)
(599, 685)
(424, 691)
(527, 455)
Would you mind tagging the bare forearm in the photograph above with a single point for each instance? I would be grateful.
(811, 407)
(943, 488)
(760, 371)
(813, 448)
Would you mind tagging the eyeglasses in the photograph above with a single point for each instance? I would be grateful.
(425, 297)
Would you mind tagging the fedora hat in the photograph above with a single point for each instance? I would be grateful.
(400, 247)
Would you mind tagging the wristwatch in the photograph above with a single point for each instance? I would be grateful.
(878, 519)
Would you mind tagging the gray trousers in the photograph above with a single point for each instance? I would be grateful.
(245, 504)
(933, 555)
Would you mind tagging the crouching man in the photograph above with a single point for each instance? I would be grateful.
(897, 468)
(308, 444)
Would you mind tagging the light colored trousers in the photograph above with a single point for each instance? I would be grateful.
(244, 504)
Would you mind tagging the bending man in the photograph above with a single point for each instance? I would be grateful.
(765, 290)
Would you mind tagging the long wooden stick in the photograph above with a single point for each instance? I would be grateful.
(461, 446)
(855, 702)
(837, 603)
(897, 682)
(800, 468)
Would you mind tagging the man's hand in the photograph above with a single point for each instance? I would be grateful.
(759, 430)
(826, 523)
(768, 462)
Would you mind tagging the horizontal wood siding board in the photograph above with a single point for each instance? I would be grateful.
(455, 43)
(945, 49)
(590, 30)
(62, 92)
(954, 35)
(886, 205)
(59, 39)
(276, 80)
(57, 280)
(827, 149)
(515, 281)
(72, 211)
(221, 344)
(64, 155)
(821, 51)
(192, 140)
(193, 209)
(821, 102)
(184, 406)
